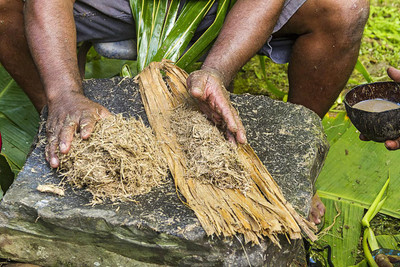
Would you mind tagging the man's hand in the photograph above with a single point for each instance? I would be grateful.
(394, 74)
(67, 115)
(247, 27)
(206, 86)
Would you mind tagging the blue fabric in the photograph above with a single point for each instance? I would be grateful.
(279, 49)
(103, 20)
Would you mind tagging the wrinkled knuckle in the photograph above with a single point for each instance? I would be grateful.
(87, 120)
(69, 124)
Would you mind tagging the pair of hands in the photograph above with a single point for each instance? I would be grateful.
(74, 112)
(394, 74)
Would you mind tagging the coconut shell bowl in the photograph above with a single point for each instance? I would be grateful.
(376, 124)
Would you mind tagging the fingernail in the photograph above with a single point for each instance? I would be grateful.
(243, 138)
(84, 134)
(196, 91)
(63, 147)
(54, 162)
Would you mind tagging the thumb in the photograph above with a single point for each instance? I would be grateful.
(394, 74)
(196, 84)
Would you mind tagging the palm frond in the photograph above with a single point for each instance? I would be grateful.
(163, 33)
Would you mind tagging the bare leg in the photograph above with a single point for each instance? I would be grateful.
(14, 52)
(325, 53)
(323, 57)
(82, 53)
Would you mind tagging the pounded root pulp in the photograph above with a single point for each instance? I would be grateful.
(121, 159)
(210, 158)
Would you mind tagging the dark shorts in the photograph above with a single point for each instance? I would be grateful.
(108, 21)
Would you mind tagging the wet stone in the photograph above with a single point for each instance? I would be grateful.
(158, 229)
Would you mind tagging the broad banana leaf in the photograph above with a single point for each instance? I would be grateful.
(335, 125)
(18, 121)
(354, 171)
(163, 33)
(344, 236)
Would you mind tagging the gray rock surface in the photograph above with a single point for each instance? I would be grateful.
(50, 230)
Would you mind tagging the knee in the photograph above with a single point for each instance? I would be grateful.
(11, 15)
(345, 19)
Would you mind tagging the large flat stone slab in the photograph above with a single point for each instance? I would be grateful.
(158, 229)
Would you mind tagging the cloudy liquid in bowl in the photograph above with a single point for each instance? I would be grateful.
(376, 105)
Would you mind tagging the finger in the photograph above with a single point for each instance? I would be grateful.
(363, 137)
(230, 137)
(394, 74)
(87, 122)
(229, 118)
(67, 135)
(210, 114)
(241, 132)
(392, 144)
(196, 85)
(233, 123)
(51, 147)
(321, 208)
(229, 114)
(315, 217)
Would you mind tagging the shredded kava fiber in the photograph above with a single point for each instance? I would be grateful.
(252, 204)
(210, 159)
(121, 159)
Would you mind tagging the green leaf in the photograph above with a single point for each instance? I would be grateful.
(18, 122)
(105, 68)
(360, 67)
(344, 235)
(367, 252)
(375, 206)
(183, 31)
(386, 242)
(15, 105)
(354, 169)
(170, 19)
(271, 87)
(389, 241)
(161, 33)
(335, 125)
(16, 143)
(151, 21)
(204, 43)
(373, 244)
(126, 71)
